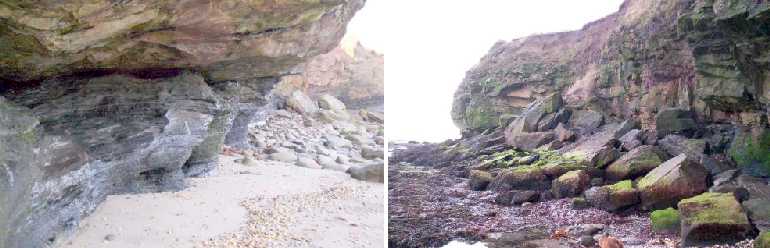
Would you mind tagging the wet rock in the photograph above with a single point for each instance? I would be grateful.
(374, 172)
(671, 181)
(674, 121)
(479, 180)
(301, 103)
(571, 184)
(636, 162)
(713, 218)
(613, 197)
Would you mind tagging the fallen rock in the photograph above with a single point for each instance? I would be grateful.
(531, 141)
(674, 121)
(284, 155)
(630, 140)
(372, 153)
(308, 163)
(330, 102)
(520, 178)
(587, 121)
(613, 197)
(749, 150)
(758, 210)
(517, 197)
(666, 220)
(563, 134)
(374, 172)
(671, 181)
(372, 116)
(479, 180)
(636, 162)
(301, 103)
(713, 218)
(571, 184)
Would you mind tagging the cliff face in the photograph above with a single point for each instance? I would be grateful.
(105, 97)
(708, 56)
(351, 72)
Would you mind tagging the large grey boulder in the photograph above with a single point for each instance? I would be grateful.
(674, 121)
(634, 163)
(374, 172)
(330, 102)
(713, 218)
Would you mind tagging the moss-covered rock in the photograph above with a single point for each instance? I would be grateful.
(571, 184)
(636, 162)
(520, 178)
(665, 220)
(671, 181)
(479, 179)
(614, 197)
(713, 218)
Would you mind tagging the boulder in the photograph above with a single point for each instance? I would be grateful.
(713, 218)
(636, 162)
(531, 141)
(618, 196)
(600, 149)
(479, 180)
(763, 240)
(372, 153)
(571, 184)
(758, 210)
(516, 197)
(749, 150)
(301, 103)
(373, 172)
(675, 179)
(284, 155)
(587, 121)
(370, 116)
(551, 120)
(677, 144)
(563, 134)
(674, 121)
(665, 220)
(308, 163)
(330, 102)
(520, 178)
(630, 140)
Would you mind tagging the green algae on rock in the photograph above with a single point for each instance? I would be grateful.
(665, 220)
(713, 218)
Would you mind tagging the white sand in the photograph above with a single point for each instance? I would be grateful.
(288, 206)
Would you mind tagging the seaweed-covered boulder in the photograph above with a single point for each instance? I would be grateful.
(571, 184)
(479, 179)
(665, 220)
(713, 218)
(674, 121)
(613, 197)
(520, 178)
(636, 162)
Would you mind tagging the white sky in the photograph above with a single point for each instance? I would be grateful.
(432, 43)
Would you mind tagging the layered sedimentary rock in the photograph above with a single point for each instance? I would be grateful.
(105, 97)
(708, 56)
(351, 72)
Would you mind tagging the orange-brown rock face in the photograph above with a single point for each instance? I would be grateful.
(354, 74)
(233, 39)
